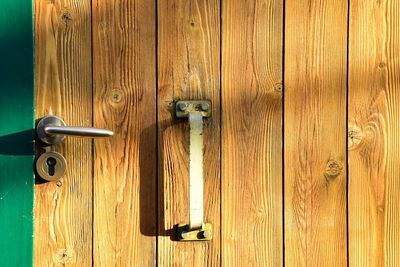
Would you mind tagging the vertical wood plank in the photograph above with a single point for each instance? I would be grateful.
(63, 209)
(252, 133)
(374, 115)
(315, 133)
(125, 165)
(16, 133)
(188, 41)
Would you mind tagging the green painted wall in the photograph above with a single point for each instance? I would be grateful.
(16, 133)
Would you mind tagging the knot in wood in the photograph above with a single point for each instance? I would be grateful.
(278, 87)
(354, 136)
(261, 213)
(63, 256)
(66, 17)
(333, 169)
(116, 96)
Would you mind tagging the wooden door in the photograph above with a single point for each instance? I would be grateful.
(300, 153)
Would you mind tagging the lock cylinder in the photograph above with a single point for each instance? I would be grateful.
(51, 166)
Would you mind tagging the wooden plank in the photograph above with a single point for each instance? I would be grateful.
(252, 133)
(63, 212)
(16, 133)
(63, 209)
(315, 133)
(374, 97)
(188, 54)
(125, 102)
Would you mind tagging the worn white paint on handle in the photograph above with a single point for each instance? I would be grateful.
(196, 170)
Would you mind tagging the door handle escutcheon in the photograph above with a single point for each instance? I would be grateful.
(195, 111)
(52, 130)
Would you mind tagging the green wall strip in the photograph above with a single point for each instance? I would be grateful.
(16, 133)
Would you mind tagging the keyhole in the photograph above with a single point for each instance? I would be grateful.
(51, 163)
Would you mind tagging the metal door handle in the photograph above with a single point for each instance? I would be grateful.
(196, 229)
(52, 130)
(77, 131)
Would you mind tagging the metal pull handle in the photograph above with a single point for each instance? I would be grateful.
(195, 111)
(52, 129)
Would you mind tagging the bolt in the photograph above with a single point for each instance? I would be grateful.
(206, 234)
(184, 234)
(182, 106)
(205, 106)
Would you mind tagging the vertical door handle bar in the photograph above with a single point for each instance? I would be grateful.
(195, 111)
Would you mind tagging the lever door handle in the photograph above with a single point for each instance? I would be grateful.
(52, 130)
(77, 131)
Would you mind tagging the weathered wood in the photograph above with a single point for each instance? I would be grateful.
(124, 68)
(63, 209)
(252, 133)
(188, 41)
(126, 203)
(374, 115)
(315, 133)
(16, 133)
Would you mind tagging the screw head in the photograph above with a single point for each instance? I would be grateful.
(206, 234)
(205, 106)
(184, 234)
(182, 106)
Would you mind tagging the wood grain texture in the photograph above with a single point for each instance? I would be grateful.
(124, 68)
(315, 133)
(252, 133)
(188, 41)
(63, 209)
(373, 137)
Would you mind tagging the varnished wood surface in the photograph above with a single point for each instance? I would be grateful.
(124, 101)
(63, 71)
(252, 133)
(374, 115)
(315, 133)
(188, 68)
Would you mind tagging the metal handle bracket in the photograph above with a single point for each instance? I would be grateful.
(186, 107)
